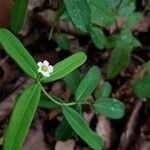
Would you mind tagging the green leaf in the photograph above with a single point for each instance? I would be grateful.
(102, 13)
(16, 50)
(98, 37)
(18, 15)
(118, 61)
(126, 8)
(64, 17)
(56, 17)
(82, 129)
(112, 40)
(63, 41)
(22, 117)
(104, 91)
(46, 103)
(63, 131)
(88, 84)
(134, 18)
(142, 87)
(109, 107)
(121, 53)
(113, 3)
(147, 66)
(72, 80)
(66, 66)
(59, 12)
(79, 12)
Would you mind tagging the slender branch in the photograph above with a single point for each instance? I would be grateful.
(119, 4)
(59, 103)
(51, 32)
(4, 60)
(55, 19)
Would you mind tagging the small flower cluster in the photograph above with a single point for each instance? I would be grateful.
(44, 68)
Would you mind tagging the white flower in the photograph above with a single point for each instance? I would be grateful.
(44, 68)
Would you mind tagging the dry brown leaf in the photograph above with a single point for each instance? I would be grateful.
(130, 130)
(35, 3)
(104, 128)
(35, 139)
(88, 116)
(67, 145)
(7, 105)
(5, 12)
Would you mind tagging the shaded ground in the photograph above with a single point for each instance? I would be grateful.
(132, 132)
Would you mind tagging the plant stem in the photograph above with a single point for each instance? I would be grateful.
(119, 4)
(51, 32)
(56, 17)
(56, 102)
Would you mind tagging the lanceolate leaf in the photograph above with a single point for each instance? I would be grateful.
(126, 8)
(64, 17)
(109, 107)
(66, 66)
(119, 60)
(46, 103)
(63, 131)
(88, 84)
(104, 91)
(82, 129)
(112, 40)
(98, 37)
(121, 53)
(142, 87)
(18, 14)
(72, 80)
(79, 12)
(104, 8)
(63, 41)
(134, 19)
(21, 118)
(17, 51)
(147, 66)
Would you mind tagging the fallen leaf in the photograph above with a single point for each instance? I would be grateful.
(104, 128)
(35, 139)
(5, 12)
(67, 145)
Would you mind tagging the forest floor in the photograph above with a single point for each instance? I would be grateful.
(132, 132)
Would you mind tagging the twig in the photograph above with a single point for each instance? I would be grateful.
(4, 60)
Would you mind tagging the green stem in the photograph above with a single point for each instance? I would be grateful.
(56, 17)
(51, 32)
(119, 4)
(56, 102)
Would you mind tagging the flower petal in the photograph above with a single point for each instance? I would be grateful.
(45, 74)
(39, 70)
(39, 64)
(45, 62)
(50, 68)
